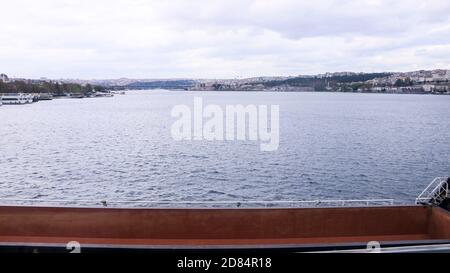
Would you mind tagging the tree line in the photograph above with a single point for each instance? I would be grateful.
(324, 81)
(55, 88)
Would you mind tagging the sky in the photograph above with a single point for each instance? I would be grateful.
(220, 39)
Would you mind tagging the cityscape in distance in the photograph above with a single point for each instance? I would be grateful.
(416, 82)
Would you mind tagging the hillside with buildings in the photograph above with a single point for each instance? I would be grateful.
(424, 81)
(416, 82)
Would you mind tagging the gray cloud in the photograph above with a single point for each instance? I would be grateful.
(106, 39)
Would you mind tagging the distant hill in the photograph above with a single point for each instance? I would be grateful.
(162, 84)
(324, 80)
(421, 81)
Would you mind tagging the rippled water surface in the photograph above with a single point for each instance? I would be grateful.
(332, 146)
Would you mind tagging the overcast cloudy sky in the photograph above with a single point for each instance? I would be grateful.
(218, 39)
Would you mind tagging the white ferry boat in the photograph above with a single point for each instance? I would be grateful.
(104, 95)
(30, 98)
(16, 98)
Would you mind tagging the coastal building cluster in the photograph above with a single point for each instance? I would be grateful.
(417, 82)
(435, 81)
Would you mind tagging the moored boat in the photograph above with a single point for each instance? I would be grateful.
(29, 98)
(104, 95)
(15, 98)
(45, 96)
(75, 95)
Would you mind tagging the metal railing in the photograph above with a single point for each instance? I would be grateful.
(209, 204)
(431, 248)
(435, 193)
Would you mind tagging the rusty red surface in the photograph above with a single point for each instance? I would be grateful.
(222, 226)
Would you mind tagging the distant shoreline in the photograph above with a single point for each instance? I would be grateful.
(272, 91)
(416, 82)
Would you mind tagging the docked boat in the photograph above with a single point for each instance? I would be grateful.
(104, 95)
(75, 96)
(45, 96)
(15, 98)
(35, 229)
(29, 98)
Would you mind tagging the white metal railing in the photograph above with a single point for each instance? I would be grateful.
(213, 204)
(435, 191)
(444, 248)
